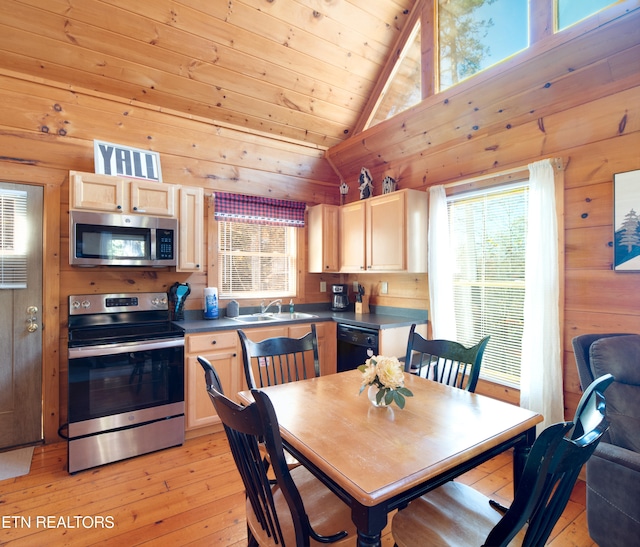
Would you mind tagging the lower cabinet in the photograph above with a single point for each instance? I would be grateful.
(222, 349)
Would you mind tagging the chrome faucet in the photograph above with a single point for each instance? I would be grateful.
(278, 301)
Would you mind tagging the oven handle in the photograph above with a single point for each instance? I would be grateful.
(130, 347)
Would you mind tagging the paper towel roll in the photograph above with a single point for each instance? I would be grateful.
(211, 303)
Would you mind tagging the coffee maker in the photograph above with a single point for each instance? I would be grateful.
(340, 297)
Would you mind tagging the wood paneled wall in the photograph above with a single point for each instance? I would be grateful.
(589, 114)
(579, 101)
(47, 130)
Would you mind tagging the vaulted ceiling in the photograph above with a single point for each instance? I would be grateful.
(298, 70)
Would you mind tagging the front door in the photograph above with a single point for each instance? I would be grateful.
(20, 314)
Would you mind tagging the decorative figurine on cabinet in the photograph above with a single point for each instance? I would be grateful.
(366, 184)
(388, 185)
(344, 190)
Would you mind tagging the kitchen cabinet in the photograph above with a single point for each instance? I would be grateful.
(98, 192)
(385, 233)
(322, 222)
(327, 349)
(221, 349)
(190, 216)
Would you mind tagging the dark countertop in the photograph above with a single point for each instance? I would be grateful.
(368, 320)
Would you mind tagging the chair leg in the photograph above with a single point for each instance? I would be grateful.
(498, 506)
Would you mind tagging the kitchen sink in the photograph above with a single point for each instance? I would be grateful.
(255, 318)
(286, 316)
(267, 317)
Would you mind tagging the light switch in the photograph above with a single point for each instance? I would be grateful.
(384, 289)
(323, 286)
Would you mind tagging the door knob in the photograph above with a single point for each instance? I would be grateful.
(32, 325)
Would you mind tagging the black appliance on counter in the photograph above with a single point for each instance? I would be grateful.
(126, 378)
(355, 345)
(339, 297)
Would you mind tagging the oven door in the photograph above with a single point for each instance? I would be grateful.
(130, 382)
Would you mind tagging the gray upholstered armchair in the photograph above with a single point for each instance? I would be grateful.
(613, 472)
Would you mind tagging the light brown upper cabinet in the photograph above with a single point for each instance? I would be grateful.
(97, 192)
(386, 233)
(191, 229)
(322, 222)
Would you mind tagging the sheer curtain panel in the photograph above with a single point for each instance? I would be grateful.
(440, 264)
(541, 373)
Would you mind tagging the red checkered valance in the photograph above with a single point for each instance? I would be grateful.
(259, 210)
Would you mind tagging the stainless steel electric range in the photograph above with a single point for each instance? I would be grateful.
(126, 378)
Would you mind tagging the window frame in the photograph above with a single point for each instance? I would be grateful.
(501, 373)
(291, 233)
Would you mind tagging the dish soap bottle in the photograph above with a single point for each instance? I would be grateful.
(291, 306)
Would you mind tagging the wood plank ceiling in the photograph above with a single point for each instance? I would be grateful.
(298, 70)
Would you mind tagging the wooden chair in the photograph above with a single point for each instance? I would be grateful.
(444, 361)
(279, 360)
(456, 514)
(298, 509)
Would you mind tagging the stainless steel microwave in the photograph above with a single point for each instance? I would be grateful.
(106, 239)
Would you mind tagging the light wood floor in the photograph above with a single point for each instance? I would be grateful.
(190, 495)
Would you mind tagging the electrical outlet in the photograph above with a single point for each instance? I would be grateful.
(384, 289)
(323, 286)
(356, 286)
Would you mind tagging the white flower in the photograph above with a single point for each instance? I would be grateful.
(387, 374)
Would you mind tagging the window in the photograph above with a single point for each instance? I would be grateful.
(487, 235)
(476, 34)
(13, 239)
(569, 12)
(256, 261)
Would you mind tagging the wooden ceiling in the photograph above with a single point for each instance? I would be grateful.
(299, 70)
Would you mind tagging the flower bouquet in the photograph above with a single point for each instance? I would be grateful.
(387, 375)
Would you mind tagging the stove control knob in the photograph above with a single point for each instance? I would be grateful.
(75, 304)
(85, 304)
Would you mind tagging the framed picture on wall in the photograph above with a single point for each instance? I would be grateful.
(626, 221)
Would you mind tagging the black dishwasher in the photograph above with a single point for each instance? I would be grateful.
(355, 346)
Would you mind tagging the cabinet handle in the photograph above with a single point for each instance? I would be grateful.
(118, 206)
(213, 342)
(135, 208)
(234, 355)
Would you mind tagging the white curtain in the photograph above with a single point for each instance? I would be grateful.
(439, 265)
(541, 373)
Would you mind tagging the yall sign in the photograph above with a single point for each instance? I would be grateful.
(119, 160)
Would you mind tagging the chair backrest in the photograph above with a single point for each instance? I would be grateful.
(279, 360)
(247, 427)
(445, 361)
(581, 345)
(551, 471)
(211, 378)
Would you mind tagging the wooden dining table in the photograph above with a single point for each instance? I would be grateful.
(378, 459)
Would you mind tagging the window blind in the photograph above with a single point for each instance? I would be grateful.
(256, 261)
(13, 239)
(488, 233)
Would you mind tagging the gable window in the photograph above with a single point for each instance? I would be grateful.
(569, 12)
(446, 42)
(257, 242)
(476, 34)
(487, 231)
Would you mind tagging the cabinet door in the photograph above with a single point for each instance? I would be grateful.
(326, 333)
(323, 238)
(153, 198)
(191, 227)
(386, 233)
(199, 408)
(221, 349)
(96, 192)
(352, 237)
